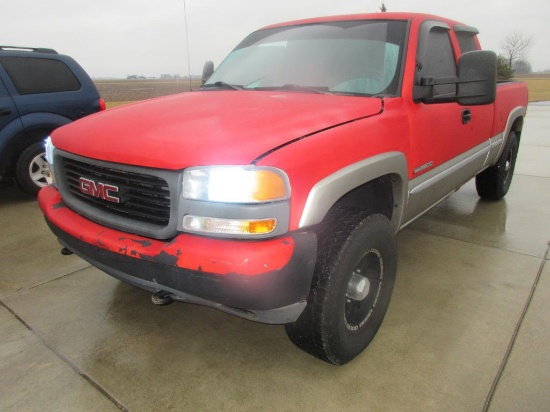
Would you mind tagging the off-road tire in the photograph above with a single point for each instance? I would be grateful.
(494, 182)
(329, 328)
(31, 170)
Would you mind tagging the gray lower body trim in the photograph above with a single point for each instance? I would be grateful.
(432, 187)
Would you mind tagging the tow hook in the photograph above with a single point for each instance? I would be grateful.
(66, 252)
(162, 298)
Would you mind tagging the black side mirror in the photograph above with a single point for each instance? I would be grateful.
(207, 71)
(476, 82)
(477, 78)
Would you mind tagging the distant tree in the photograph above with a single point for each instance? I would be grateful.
(503, 71)
(383, 8)
(522, 67)
(516, 45)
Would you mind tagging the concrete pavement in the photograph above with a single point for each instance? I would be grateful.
(467, 330)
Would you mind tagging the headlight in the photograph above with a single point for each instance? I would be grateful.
(49, 148)
(235, 201)
(235, 184)
(48, 145)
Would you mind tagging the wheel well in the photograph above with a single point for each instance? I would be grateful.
(18, 144)
(376, 196)
(517, 127)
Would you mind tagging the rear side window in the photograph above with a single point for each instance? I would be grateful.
(33, 75)
(466, 41)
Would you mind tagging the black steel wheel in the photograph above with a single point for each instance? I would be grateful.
(351, 290)
(495, 182)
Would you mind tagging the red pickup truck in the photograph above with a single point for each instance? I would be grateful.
(276, 191)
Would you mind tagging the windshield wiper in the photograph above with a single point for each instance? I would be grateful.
(295, 87)
(298, 87)
(342, 93)
(222, 85)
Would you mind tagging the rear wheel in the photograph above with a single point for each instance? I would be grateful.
(351, 290)
(494, 182)
(33, 172)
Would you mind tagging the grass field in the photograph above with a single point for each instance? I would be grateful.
(539, 88)
(118, 92)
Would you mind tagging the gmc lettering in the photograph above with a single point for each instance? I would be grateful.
(100, 190)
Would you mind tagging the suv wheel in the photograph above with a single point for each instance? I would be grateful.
(33, 172)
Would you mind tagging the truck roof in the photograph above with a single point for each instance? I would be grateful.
(414, 17)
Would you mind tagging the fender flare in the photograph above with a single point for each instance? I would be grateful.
(515, 114)
(329, 190)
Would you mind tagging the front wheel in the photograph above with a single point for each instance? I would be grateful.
(351, 290)
(33, 172)
(494, 182)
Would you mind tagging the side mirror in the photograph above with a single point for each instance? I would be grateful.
(477, 78)
(475, 84)
(207, 71)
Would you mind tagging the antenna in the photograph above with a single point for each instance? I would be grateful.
(187, 44)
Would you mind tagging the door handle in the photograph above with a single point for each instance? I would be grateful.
(466, 116)
(4, 111)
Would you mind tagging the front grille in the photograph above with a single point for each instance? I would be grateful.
(143, 198)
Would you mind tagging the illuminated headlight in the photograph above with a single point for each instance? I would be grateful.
(49, 147)
(235, 201)
(235, 184)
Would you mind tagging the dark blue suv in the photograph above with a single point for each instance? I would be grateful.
(40, 90)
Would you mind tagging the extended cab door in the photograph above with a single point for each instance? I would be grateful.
(448, 142)
(8, 111)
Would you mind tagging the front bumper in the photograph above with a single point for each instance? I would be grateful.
(266, 281)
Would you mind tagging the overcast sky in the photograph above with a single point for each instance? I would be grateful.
(115, 38)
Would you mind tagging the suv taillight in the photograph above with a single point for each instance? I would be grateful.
(102, 105)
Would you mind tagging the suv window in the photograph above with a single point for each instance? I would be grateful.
(33, 75)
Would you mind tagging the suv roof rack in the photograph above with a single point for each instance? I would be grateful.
(30, 49)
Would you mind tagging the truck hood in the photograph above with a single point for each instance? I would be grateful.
(207, 127)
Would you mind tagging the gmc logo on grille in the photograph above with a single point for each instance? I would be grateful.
(100, 190)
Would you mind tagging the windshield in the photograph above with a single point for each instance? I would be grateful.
(352, 57)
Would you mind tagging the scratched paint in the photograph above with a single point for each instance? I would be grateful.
(215, 256)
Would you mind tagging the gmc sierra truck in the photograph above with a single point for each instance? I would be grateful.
(275, 192)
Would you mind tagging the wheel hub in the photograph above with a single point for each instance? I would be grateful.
(358, 287)
(39, 171)
(363, 290)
